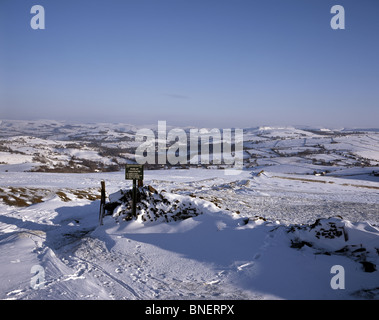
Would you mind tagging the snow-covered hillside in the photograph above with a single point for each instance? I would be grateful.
(255, 237)
(52, 146)
(305, 205)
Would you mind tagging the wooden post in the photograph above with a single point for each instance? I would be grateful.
(140, 183)
(134, 172)
(134, 209)
(102, 203)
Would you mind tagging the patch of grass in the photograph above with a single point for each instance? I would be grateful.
(25, 196)
(62, 196)
(21, 197)
(86, 194)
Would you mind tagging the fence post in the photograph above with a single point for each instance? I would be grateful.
(134, 210)
(102, 203)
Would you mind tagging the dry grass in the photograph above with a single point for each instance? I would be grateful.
(25, 196)
(21, 197)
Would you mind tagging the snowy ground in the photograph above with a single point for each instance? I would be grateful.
(271, 235)
(227, 252)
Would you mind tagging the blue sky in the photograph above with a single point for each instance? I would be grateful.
(213, 63)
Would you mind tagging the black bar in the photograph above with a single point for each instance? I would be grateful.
(142, 309)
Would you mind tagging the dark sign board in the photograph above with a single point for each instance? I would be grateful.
(134, 171)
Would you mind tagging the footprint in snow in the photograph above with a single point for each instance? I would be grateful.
(212, 282)
(15, 293)
(221, 273)
(242, 266)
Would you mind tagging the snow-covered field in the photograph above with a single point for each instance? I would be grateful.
(227, 252)
(276, 234)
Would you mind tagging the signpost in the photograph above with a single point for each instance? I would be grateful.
(134, 172)
(102, 203)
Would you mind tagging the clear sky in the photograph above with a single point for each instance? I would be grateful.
(212, 63)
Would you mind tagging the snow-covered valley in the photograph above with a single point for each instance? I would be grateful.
(305, 202)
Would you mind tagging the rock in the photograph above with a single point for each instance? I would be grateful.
(152, 205)
(368, 266)
(151, 189)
